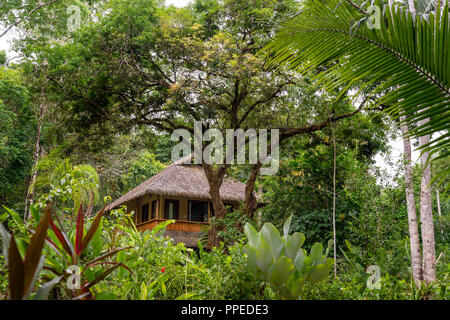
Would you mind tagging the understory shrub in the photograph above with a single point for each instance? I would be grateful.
(162, 270)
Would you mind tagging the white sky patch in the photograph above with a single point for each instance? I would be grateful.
(177, 3)
(5, 41)
(396, 155)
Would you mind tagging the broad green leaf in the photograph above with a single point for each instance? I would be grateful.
(287, 226)
(296, 285)
(121, 273)
(321, 271)
(273, 238)
(294, 244)
(34, 212)
(263, 256)
(251, 257)
(299, 260)
(252, 234)
(97, 240)
(316, 253)
(22, 246)
(282, 271)
(102, 276)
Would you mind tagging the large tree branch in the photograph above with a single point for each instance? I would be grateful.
(261, 101)
(19, 20)
(287, 133)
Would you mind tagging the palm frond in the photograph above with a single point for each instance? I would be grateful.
(403, 60)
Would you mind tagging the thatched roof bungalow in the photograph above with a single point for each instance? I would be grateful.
(180, 192)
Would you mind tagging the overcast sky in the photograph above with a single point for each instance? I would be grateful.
(177, 3)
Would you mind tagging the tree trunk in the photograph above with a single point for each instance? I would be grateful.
(30, 195)
(438, 202)
(414, 241)
(334, 201)
(426, 215)
(251, 204)
(215, 179)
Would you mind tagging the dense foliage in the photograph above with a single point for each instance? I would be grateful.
(87, 112)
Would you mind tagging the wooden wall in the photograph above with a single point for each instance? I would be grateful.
(136, 206)
(186, 226)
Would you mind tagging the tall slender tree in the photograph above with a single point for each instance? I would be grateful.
(414, 241)
(399, 56)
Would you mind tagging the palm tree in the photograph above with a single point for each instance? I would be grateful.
(397, 55)
(401, 58)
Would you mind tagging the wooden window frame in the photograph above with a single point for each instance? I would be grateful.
(199, 202)
(154, 212)
(145, 205)
(176, 208)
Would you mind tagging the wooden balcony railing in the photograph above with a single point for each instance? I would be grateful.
(179, 225)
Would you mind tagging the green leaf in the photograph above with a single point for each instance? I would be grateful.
(34, 212)
(282, 271)
(144, 291)
(187, 296)
(294, 244)
(287, 226)
(102, 276)
(405, 63)
(105, 295)
(92, 229)
(316, 253)
(299, 261)
(252, 234)
(44, 290)
(97, 240)
(18, 222)
(296, 285)
(273, 238)
(321, 271)
(263, 256)
(251, 257)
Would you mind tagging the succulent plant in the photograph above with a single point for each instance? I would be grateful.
(282, 262)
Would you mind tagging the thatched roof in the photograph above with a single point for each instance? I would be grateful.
(183, 180)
